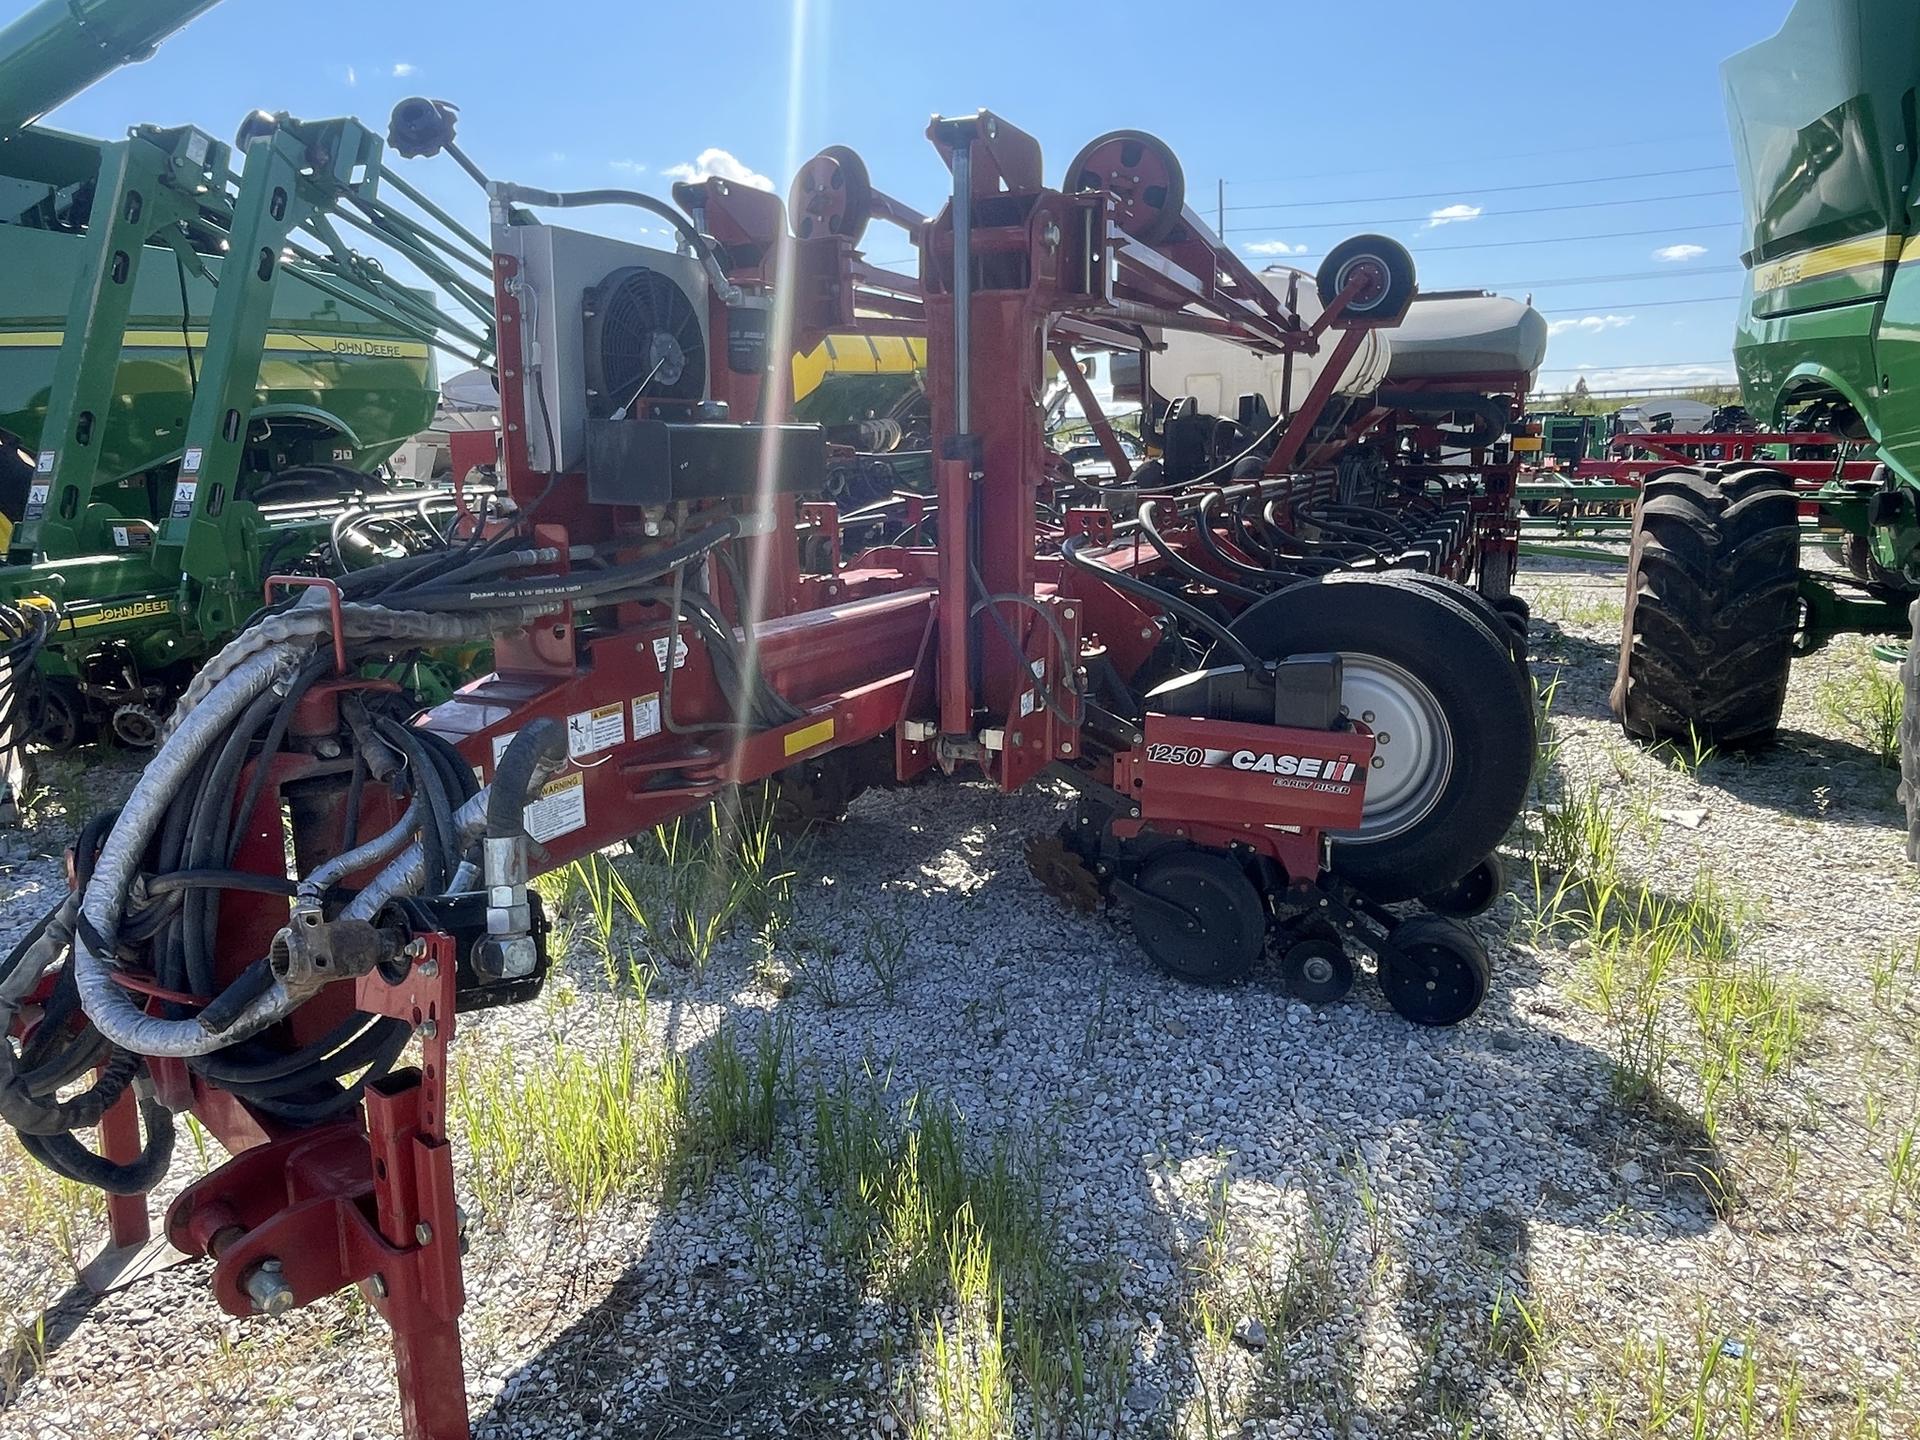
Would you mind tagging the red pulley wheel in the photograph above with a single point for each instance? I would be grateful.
(831, 195)
(1141, 174)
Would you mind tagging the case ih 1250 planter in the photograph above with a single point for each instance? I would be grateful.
(309, 875)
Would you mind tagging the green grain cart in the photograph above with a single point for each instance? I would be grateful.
(1826, 131)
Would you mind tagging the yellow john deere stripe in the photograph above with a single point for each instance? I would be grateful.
(1869, 251)
(351, 345)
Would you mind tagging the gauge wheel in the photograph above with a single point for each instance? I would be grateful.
(1317, 972)
(1198, 916)
(1434, 971)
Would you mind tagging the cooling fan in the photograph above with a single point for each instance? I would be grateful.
(643, 341)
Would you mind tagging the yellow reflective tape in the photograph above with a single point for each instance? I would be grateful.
(1828, 260)
(350, 345)
(1526, 442)
(808, 736)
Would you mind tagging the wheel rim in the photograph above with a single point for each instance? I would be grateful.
(1413, 744)
(1432, 984)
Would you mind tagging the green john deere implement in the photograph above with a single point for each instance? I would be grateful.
(1826, 133)
(199, 379)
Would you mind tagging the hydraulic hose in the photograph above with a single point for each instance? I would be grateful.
(539, 749)
(1071, 552)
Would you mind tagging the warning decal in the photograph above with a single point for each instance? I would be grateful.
(646, 715)
(600, 728)
(562, 807)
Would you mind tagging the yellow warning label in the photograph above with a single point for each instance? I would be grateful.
(808, 736)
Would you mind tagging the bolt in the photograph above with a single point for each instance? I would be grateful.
(1378, 763)
(1067, 613)
(1384, 738)
(1066, 748)
(429, 969)
(423, 1233)
(414, 949)
(428, 1029)
(267, 1287)
(1367, 715)
(378, 1285)
(1147, 633)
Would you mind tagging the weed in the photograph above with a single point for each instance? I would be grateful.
(1863, 702)
(1688, 759)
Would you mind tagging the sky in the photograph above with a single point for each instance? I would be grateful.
(1533, 147)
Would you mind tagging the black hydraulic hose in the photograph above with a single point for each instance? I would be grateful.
(1213, 547)
(246, 987)
(437, 833)
(553, 589)
(1185, 566)
(66, 1156)
(1172, 604)
(541, 745)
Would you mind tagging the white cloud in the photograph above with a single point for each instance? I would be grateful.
(1272, 247)
(715, 161)
(1590, 324)
(353, 76)
(403, 68)
(1680, 252)
(628, 167)
(1452, 215)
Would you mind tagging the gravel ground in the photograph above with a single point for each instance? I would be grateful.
(1478, 1231)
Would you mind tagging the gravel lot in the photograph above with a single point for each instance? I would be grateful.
(1274, 1221)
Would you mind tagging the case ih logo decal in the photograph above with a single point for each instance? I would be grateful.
(1299, 772)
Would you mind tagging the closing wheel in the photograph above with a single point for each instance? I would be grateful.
(1434, 972)
(1198, 916)
(1474, 893)
(1383, 270)
(1142, 175)
(1317, 972)
(54, 716)
(831, 195)
(1453, 736)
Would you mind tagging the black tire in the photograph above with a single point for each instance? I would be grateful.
(1443, 818)
(1225, 928)
(1513, 605)
(1497, 622)
(1856, 553)
(1474, 893)
(1390, 270)
(1434, 972)
(1910, 735)
(1713, 601)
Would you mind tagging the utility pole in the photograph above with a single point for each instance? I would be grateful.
(1222, 213)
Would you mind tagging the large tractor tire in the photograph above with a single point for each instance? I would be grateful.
(1454, 731)
(1713, 602)
(1910, 735)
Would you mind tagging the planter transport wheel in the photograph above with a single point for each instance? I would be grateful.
(1474, 893)
(831, 195)
(1433, 971)
(1317, 972)
(1453, 735)
(1382, 267)
(1198, 916)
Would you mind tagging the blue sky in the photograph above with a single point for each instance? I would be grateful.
(1443, 122)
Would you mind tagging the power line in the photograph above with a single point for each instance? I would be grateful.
(1556, 152)
(1640, 304)
(1678, 272)
(1558, 239)
(1643, 365)
(1483, 189)
(1495, 214)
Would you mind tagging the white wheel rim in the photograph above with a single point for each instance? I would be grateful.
(1413, 745)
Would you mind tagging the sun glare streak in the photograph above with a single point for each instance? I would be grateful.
(777, 381)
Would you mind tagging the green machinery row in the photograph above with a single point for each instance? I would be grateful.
(200, 379)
